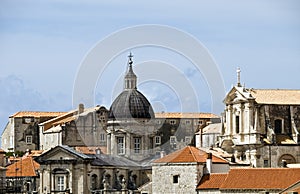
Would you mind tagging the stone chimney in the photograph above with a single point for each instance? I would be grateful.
(209, 163)
(162, 154)
(80, 108)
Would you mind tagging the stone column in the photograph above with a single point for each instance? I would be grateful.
(108, 146)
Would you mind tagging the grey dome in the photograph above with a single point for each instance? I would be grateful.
(131, 104)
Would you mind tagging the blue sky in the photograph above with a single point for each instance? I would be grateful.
(43, 43)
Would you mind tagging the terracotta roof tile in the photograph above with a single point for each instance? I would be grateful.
(292, 188)
(23, 168)
(66, 117)
(212, 181)
(188, 154)
(261, 178)
(90, 150)
(36, 114)
(276, 96)
(173, 115)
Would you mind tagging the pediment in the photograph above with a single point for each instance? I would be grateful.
(62, 153)
(235, 95)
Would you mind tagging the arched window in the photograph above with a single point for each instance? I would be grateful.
(289, 159)
(278, 125)
(94, 182)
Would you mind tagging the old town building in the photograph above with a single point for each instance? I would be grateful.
(22, 131)
(180, 171)
(261, 126)
(65, 170)
(79, 127)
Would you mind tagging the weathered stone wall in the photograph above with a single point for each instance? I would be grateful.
(188, 177)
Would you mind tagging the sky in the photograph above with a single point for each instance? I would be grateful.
(44, 46)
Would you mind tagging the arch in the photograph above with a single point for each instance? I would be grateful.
(94, 180)
(288, 158)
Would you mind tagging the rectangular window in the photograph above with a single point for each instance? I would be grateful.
(157, 140)
(266, 163)
(237, 124)
(28, 139)
(121, 148)
(173, 139)
(60, 183)
(137, 144)
(187, 140)
(102, 137)
(27, 120)
(175, 178)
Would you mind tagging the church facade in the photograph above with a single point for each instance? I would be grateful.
(261, 126)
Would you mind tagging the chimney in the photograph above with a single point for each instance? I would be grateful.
(162, 154)
(80, 108)
(98, 152)
(209, 162)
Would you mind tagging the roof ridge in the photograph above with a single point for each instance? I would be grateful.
(190, 148)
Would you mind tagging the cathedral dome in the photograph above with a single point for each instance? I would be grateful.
(131, 104)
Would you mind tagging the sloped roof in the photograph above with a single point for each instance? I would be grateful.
(90, 150)
(67, 149)
(261, 178)
(188, 154)
(36, 114)
(276, 96)
(64, 118)
(174, 115)
(23, 168)
(292, 188)
(212, 128)
(212, 181)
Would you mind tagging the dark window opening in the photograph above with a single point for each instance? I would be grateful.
(175, 178)
(237, 124)
(278, 126)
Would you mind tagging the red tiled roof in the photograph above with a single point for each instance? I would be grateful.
(212, 181)
(188, 154)
(64, 118)
(276, 96)
(174, 115)
(23, 168)
(91, 150)
(261, 178)
(252, 178)
(292, 188)
(36, 114)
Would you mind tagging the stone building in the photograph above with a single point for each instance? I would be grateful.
(177, 130)
(22, 132)
(22, 176)
(261, 126)
(2, 171)
(131, 129)
(208, 136)
(181, 171)
(80, 127)
(65, 170)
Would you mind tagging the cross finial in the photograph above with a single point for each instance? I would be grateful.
(238, 71)
(130, 58)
